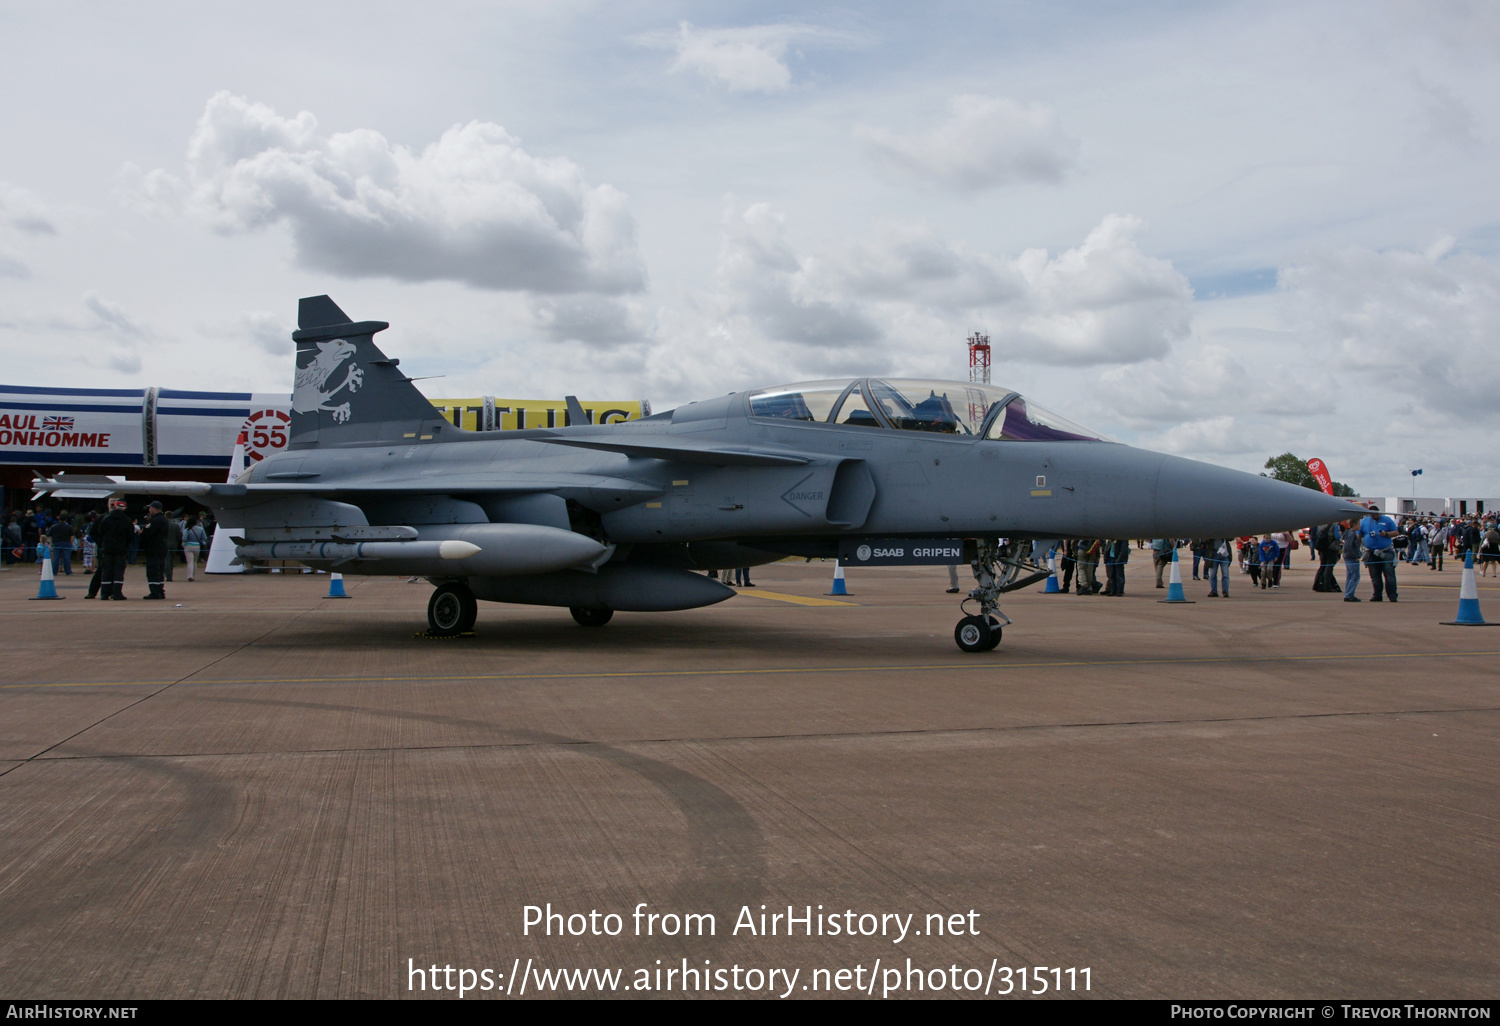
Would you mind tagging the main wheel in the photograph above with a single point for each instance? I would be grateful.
(974, 634)
(591, 617)
(451, 610)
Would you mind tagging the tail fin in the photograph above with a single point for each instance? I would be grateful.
(347, 391)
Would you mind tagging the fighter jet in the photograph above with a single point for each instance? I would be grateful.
(605, 518)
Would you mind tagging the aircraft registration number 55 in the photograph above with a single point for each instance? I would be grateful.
(266, 433)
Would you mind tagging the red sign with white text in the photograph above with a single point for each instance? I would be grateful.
(1320, 474)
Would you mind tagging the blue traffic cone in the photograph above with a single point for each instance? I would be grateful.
(1174, 584)
(838, 580)
(48, 588)
(1468, 600)
(336, 587)
(1052, 588)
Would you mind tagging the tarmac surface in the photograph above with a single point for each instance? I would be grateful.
(253, 791)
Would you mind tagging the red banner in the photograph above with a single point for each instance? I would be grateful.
(1320, 473)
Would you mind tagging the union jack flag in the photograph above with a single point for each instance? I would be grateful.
(57, 423)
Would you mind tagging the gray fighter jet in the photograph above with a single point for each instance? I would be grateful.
(605, 518)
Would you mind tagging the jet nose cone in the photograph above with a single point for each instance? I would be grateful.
(1200, 500)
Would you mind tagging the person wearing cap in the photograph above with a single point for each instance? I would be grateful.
(155, 542)
(114, 532)
(1376, 531)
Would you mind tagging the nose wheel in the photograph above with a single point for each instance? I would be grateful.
(977, 633)
(452, 610)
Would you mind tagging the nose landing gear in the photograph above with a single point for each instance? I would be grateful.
(995, 571)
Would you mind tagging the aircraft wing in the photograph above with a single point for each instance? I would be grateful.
(685, 451)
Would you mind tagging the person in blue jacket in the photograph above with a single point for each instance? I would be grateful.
(1270, 563)
(1376, 531)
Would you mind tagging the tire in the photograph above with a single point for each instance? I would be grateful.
(591, 617)
(471, 611)
(974, 634)
(995, 630)
(452, 610)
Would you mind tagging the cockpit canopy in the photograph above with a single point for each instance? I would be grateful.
(915, 404)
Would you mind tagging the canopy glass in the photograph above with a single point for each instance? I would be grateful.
(915, 404)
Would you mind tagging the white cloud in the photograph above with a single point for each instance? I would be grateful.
(24, 211)
(1103, 301)
(749, 59)
(123, 360)
(986, 142)
(473, 207)
(112, 317)
(915, 262)
(123, 332)
(1442, 117)
(1180, 389)
(601, 322)
(786, 296)
(1424, 327)
(1217, 435)
(268, 331)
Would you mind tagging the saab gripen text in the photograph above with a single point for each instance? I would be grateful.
(794, 921)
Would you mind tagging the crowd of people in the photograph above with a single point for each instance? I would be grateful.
(105, 544)
(110, 542)
(1375, 544)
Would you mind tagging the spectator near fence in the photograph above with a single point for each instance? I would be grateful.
(1377, 531)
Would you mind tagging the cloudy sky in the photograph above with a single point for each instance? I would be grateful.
(1222, 230)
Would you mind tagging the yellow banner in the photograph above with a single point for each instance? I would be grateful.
(511, 414)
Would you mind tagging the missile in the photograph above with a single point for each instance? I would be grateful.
(446, 550)
(339, 551)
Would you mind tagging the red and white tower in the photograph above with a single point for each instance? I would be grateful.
(979, 374)
(979, 359)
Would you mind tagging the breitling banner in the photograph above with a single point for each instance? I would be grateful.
(490, 413)
(161, 427)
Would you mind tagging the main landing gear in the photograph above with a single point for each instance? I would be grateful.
(452, 610)
(591, 617)
(997, 569)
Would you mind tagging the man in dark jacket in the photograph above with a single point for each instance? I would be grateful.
(1068, 562)
(1329, 543)
(1115, 558)
(156, 540)
(112, 536)
(61, 534)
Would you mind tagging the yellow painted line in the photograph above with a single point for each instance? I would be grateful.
(797, 600)
(773, 671)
